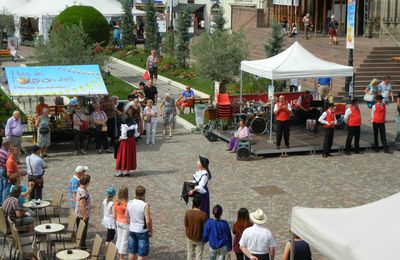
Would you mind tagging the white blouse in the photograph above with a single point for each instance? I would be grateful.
(124, 131)
(108, 217)
(200, 177)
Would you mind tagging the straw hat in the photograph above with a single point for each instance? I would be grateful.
(258, 217)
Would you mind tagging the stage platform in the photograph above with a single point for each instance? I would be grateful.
(301, 141)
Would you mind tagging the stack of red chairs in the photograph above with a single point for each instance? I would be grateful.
(224, 106)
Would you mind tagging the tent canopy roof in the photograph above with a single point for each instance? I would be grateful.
(366, 232)
(295, 62)
(39, 8)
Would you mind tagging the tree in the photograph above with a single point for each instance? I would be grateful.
(275, 42)
(151, 28)
(218, 56)
(68, 45)
(218, 19)
(93, 22)
(7, 23)
(168, 48)
(128, 38)
(182, 44)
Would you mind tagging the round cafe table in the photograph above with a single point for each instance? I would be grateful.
(37, 205)
(49, 228)
(77, 254)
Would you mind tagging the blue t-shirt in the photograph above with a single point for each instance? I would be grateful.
(324, 81)
(21, 199)
(187, 95)
(73, 186)
(117, 33)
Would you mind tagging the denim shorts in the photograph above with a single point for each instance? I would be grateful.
(139, 243)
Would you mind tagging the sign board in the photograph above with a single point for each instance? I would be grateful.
(162, 22)
(216, 89)
(351, 14)
(286, 2)
(271, 92)
(75, 80)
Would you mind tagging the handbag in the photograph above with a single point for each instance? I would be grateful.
(147, 118)
(37, 180)
(368, 97)
(146, 75)
(84, 124)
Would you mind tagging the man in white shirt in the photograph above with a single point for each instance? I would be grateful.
(202, 25)
(257, 242)
(35, 165)
(385, 87)
(294, 85)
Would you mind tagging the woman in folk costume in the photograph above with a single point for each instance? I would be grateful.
(201, 178)
(126, 156)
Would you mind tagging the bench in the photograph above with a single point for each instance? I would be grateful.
(193, 101)
(5, 53)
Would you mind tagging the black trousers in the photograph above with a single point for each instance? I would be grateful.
(328, 140)
(111, 130)
(101, 139)
(239, 256)
(36, 194)
(259, 257)
(302, 115)
(79, 139)
(282, 128)
(380, 127)
(84, 235)
(353, 131)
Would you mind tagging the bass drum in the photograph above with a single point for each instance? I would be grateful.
(258, 126)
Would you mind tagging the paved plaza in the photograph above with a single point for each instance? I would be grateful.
(282, 183)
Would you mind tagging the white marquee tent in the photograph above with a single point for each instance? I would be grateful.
(366, 232)
(46, 10)
(294, 62)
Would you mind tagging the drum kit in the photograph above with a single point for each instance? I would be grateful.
(256, 115)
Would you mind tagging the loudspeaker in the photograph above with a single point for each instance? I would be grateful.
(208, 132)
(243, 151)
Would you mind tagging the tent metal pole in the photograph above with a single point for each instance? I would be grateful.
(241, 90)
(292, 247)
(272, 113)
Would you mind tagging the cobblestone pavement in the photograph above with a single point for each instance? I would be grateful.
(309, 181)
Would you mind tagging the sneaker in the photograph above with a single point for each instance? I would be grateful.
(109, 151)
(83, 152)
(147, 143)
(75, 152)
(153, 142)
(118, 174)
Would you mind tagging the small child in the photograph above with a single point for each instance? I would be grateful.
(122, 222)
(108, 218)
(294, 31)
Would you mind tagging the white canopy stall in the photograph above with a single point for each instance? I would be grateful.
(294, 62)
(366, 232)
(46, 10)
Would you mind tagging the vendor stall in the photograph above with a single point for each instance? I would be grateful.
(75, 81)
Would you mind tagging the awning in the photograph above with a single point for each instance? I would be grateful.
(191, 7)
(75, 80)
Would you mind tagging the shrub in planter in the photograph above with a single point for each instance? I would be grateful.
(93, 22)
(129, 47)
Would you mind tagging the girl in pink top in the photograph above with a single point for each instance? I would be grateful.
(119, 211)
(242, 132)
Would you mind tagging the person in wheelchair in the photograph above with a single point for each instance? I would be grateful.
(241, 133)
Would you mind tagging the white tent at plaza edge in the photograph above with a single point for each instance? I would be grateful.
(46, 10)
(366, 232)
(293, 63)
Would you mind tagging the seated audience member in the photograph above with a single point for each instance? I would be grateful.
(183, 99)
(241, 133)
(294, 31)
(13, 210)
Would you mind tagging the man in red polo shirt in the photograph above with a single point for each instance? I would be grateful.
(378, 119)
(11, 165)
(328, 119)
(282, 112)
(305, 110)
(352, 118)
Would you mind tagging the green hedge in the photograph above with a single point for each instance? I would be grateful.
(93, 22)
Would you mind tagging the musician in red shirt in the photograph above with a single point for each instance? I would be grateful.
(328, 119)
(378, 120)
(305, 110)
(282, 111)
(352, 118)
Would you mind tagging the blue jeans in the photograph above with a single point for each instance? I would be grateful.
(218, 254)
(4, 186)
(139, 243)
